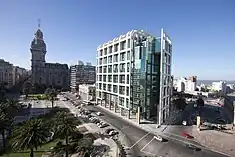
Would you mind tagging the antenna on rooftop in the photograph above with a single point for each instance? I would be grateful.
(39, 23)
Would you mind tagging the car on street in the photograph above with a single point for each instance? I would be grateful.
(193, 147)
(109, 130)
(158, 138)
(104, 125)
(99, 113)
(114, 132)
(184, 123)
(185, 134)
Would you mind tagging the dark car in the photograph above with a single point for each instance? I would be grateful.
(193, 147)
(108, 130)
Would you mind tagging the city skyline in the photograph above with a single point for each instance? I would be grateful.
(198, 42)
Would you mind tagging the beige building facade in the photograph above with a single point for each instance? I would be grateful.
(10, 75)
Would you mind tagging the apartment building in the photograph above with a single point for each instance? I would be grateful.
(87, 92)
(134, 75)
(184, 84)
(6, 73)
(81, 74)
(10, 75)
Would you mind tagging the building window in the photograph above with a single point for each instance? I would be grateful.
(104, 78)
(121, 101)
(116, 47)
(110, 69)
(105, 60)
(115, 59)
(101, 53)
(115, 88)
(100, 84)
(115, 68)
(100, 69)
(110, 49)
(122, 79)
(122, 67)
(128, 43)
(122, 90)
(104, 86)
(100, 77)
(127, 91)
(127, 79)
(128, 67)
(127, 102)
(110, 59)
(122, 56)
(109, 78)
(123, 45)
(109, 87)
(105, 51)
(105, 69)
(100, 61)
(128, 55)
(115, 78)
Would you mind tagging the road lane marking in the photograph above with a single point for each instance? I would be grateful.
(147, 144)
(148, 153)
(139, 140)
(123, 138)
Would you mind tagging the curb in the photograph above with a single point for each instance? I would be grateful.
(162, 133)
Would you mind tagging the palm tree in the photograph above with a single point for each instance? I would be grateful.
(5, 125)
(51, 93)
(3, 92)
(65, 124)
(8, 111)
(31, 135)
(84, 146)
(12, 107)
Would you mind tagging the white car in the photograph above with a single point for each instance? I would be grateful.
(113, 132)
(184, 123)
(159, 138)
(98, 113)
(100, 123)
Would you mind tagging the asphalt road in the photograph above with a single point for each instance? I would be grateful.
(143, 143)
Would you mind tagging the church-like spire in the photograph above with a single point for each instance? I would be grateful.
(39, 23)
(39, 34)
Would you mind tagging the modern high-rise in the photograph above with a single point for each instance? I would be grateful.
(81, 74)
(134, 74)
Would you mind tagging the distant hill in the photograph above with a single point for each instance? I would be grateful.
(210, 81)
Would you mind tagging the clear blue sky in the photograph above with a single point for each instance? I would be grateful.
(203, 31)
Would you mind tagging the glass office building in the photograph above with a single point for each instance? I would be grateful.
(136, 73)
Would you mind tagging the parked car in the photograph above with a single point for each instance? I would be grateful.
(187, 135)
(104, 125)
(193, 147)
(159, 138)
(109, 130)
(99, 113)
(112, 133)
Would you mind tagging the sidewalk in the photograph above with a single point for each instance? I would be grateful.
(219, 142)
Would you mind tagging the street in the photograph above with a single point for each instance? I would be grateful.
(143, 143)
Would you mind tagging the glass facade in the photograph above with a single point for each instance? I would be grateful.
(145, 78)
